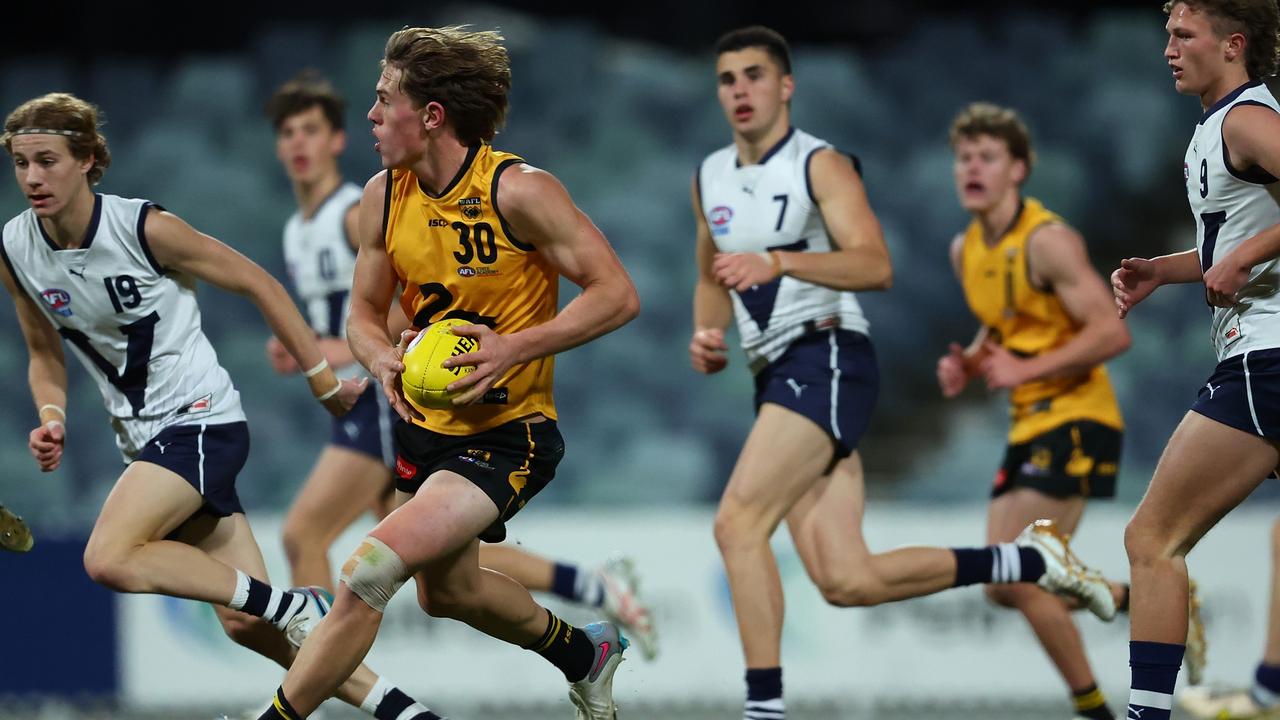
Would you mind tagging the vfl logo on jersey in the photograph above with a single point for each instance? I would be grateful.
(59, 301)
(719, 218)
(470, 208)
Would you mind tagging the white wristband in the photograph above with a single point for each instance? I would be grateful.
(319, 368)
(56, 408)
(331, 393)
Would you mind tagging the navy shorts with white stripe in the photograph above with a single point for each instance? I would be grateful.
(207, 456)
(366, 428)
(830, 377)
(1244, 393)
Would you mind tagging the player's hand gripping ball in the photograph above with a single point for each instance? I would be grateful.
(424, 378)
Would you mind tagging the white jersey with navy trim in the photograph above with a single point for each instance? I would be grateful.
(1230, 206)
(770, 206)
(322, 265)
(134, 325)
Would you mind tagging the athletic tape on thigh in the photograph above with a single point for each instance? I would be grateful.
(374, 572)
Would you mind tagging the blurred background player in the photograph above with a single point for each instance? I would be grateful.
(1261, 699)
(353, 472)
(1047, 325)
(115, 278)
(785, 235)
(15, 536)
(1218, 50)
(450, 200)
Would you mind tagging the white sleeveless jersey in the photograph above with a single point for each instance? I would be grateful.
(322, 266)
(770, 206)
(1232, 205)
(134, 326)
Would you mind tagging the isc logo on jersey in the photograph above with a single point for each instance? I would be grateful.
(424, 378)
(59, 301)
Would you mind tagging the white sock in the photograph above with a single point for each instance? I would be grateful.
(379, 691)
(773, 709)
(588, 588)
(241, 595)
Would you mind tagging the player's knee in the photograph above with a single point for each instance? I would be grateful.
(846, 591)
(299, 541)
(374, 573)
(1141, 543)
(735, 527)
(111, 568)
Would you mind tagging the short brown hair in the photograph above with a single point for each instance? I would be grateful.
(1257, 20)
(306, 90)
(982, 118)
(465, 71)
(767, 39)
(75, 119)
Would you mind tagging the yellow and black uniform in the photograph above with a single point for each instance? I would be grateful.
(1065, 434)
(456, 257)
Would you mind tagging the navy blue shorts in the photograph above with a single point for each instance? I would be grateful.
(830, 377)
(1244, 393)
(207, 456)
(366, 428)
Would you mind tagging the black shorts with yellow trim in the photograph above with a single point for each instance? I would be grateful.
(1076, 459)
(511, 463)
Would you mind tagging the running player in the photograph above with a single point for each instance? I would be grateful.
(353, 471)
(474, 233)
(115, 278)
(1048, 324)
(1218, 50)
(15, 536)
(784, 237)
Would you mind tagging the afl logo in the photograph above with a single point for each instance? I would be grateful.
(721, 215)
(59, 301)
(466, 271)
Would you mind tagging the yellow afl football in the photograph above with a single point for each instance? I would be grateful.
(424, 378)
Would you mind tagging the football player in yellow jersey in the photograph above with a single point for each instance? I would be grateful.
(449, 201)
(1047, 327)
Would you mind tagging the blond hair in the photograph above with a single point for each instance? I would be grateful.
(982, 118)
(66, 115)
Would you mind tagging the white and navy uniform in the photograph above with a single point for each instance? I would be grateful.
(806, 343)
(136, 328)
(321, 265)
(1230, 206)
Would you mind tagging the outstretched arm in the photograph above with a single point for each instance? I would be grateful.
(46, 375)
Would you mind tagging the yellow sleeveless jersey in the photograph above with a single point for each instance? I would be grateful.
(455, 257)
(1027, 320)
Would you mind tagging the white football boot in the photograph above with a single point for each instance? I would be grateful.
(593, 695)
(1064, 574)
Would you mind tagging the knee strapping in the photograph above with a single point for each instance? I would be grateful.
(374, 573)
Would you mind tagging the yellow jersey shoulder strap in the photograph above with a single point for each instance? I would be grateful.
(504, 161)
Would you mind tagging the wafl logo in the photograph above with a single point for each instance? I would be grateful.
(720, 217)
(59, 301)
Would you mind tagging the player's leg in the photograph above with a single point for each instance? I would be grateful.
(343, 484)
(231, 541)
(183, 469)
(1206, 470)
(612, 588)
(1049, 617)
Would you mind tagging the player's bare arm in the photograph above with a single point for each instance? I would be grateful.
(862, 260)
(1136, 278)
(372, 289)
(712, 306)
(540, 212)
(1252, 136)
(46, 374)
(181, 247)
(961, 363)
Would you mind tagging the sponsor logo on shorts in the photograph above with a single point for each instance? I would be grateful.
(483, 455)
(478, 463)
(59, 301)
(405, 469)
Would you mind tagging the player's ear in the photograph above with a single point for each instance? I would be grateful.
(788, 87)
(433, 116)
(1019, 171)
(1235, 46)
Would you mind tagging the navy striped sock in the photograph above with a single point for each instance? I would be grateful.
(280, 708)
(395, 704)
(563, 580)
(764, 695)
(1003, 563)
(1155, 672)
(1266, 685)
(257, 598)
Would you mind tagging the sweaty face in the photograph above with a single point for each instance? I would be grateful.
(752, 91)
(47, 173)
(308, 146)
(1194, 52)
(397, 125)
(985, 172)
